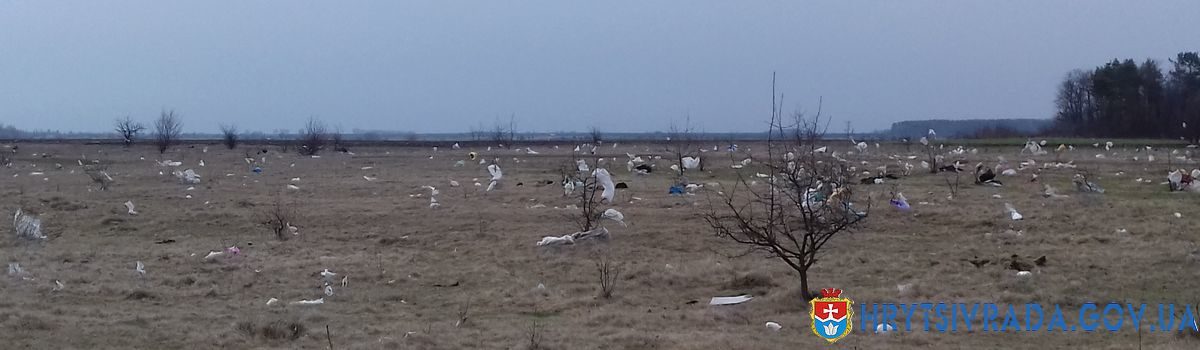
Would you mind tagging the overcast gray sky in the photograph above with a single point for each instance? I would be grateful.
(437, 66)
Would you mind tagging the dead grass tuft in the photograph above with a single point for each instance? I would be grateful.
(140, 295)
(272, 331)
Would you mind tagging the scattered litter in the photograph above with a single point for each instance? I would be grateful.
(213, 255)
(597, 233)
(140, 268)
(187, 176)
(729, 300)
(1024, 273)
(14, 269)
(308, 302)
(1178, 215)
(129, 205)
(614, 215)
(1050, 192)
(884, 328)
(368, 178)
(900, 202)
(293, 187)
(497, 174)
(694, 162)
(27, 226)
(1012, 212)
(58, 286)
(272, 301)
(774, 326)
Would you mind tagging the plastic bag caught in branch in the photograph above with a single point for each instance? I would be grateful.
(605, 180)
(496, 176)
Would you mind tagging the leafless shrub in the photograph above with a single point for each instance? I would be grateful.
(608, 271)
(953, 186)
(128, 129)
(278, 218)
(464, 312)
(312, 137)
(229, 136)
(276, 330)
(534, 334)
(99, 175)
(805, 203)
(166, 130)
(585, 198)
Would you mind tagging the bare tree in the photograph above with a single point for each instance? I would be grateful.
(128, 129)
(166, 130)
(805, 203)
(681, 143)
(595, 134)
(229, 135)
(313, 137)
(278, 218)
(336, 137)
(585, 197)
(504, 134)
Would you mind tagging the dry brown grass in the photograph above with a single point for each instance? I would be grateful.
(398, 252)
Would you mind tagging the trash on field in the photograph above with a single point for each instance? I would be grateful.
(694, 162)
(774, 326)
(614, 215)
(129, 206)
(15, 269)
(1050, 192)
(272, 301)
(497, 174)
(605, 180)
(1082, 185)
(597, 233)
(27, 226)
(308, 302)
(900, 202)
(188, 176)
(1012, 212)
(730, 300)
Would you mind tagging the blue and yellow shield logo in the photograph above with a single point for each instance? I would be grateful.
(831, 315)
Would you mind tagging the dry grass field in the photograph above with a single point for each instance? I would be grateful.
(466, 275)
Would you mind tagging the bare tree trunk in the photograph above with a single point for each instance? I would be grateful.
(804, 285)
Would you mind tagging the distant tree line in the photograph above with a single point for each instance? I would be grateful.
(1127, 99)
(969, 128)
(9, 132)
